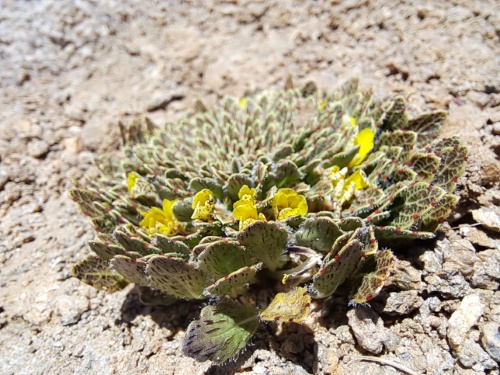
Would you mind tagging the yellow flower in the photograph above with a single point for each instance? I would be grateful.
(131, 181)
(359, 180)
(337, 174)
(288, 203)
(245, 211)
(247, 193)
(203, 205)
(161, 221)
(243, 103)
(322, 105)
(344, 188)
(365, 141)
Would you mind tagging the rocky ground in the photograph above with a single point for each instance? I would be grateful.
(70, 69)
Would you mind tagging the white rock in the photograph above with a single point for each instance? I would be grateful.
(463, 319)
(70, 308)
(368, 328)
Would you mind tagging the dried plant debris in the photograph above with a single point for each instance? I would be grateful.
(293, 188)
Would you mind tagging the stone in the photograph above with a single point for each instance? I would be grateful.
(22, 126)
(368, 329)
(403, 303)
(471, 355)
(73, 145)
(405, 276)
(487, 217)
(487, 270)
(38, 148)
(432, 261)
(479, 237)
(449, 283)
(70, 308)
(161, 100)
(496, 128)
(4, 177)
(463, 319)
(490, 339)
(458, 255)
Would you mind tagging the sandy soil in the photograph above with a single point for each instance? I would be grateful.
(70, 69)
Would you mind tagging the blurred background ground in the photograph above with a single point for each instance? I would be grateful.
(69, 70)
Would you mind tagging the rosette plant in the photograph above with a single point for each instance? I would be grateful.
(290, 191)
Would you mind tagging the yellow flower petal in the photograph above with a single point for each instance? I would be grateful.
(203, 205)
(161, 220)
(243, 103)
(359, 180)
(246, 193)
(286, 203)
(365, 141)
(246, 213)
(131, 180)
(322, 105)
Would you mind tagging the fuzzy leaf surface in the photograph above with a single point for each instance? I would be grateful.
(176, 277)
(265, 242)
(222, 331)
(95, 272)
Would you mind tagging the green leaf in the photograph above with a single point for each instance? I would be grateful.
(430, 222)
(391, 233)
(134, 270)
(418, 199)
(293, 306)
(131, 241)
(176, 277)
(95, 272)
(318, 233)
(373, 282)
(427, 126)
(453, 162)
(169, 245)
(396, 117)
(336, 271)
(183, 210)
(105, 248)
(425, 165)
(286, 174)
(223, 257)
(265, 242)
(231, 285)
(222, 331)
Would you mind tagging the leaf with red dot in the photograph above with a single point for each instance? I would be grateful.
(96, 272)
(427, 126)
(232, 284)
(452, 166)
(265, 242)
(176, 277)
(417, 200)
(134, 270)
(372, 283)
(396, 117)
(223, 257)
(337, 270)
(318, 233)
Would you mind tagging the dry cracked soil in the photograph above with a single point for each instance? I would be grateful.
(71, 69)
